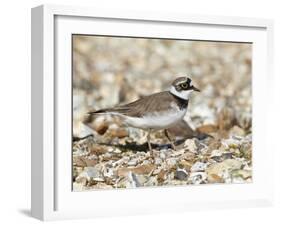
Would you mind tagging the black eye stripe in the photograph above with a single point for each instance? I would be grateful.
(182, 84)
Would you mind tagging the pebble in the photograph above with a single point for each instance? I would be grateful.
(198, 166)
(162, 155)
(210, 128)
(236, 131)
(171, 161)
(141, 169)
(117, 151)
(190, 145)
(100, 125)
(158, 161)
(132, 162)
(223, 169)
(216, 153)
(90, 173)
(117, 132)
(197, 178)
(181, 174)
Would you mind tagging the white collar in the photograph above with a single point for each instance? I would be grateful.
(184, 94)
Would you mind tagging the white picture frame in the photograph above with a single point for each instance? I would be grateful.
(52, 197)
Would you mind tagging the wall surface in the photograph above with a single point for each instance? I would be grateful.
(15, 111)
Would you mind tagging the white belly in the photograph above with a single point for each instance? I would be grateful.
(161, 120)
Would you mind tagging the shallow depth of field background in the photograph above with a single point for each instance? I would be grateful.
(108, 71)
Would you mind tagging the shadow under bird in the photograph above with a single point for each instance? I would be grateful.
(158, 111)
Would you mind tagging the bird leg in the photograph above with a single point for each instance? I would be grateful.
(148, 140)
(169, 138)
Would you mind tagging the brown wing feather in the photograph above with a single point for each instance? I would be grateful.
(155, 102)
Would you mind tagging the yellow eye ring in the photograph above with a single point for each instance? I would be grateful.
(184, 85)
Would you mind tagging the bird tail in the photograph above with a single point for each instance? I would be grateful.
(115, 110)
(101, 111)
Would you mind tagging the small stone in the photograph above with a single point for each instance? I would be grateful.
(181, 174)
(221, 154)
(237, 131)
(202, 148)
(177, 153)
(214, 178)
(214, 144)
(189, 156)
(78, 186)
(157, 161)
(118, 132)
(98, 149)
(185, 164)
(132, 162)
(133, 181)
(207, 129)
(117, 151)
(244, 174)
(162, 155)
(98, 179)
(198, 166)
(222, 169)
(107, 156)
(190, 145)
(231, 143)
(198, 178)
(100, 125)
(76, 171)
(227, 155)
(103, 186)
(152, 181)
(141, 169)
(90, 174)
(81, 180)
(110, 149)
(109, 173)
(142, 179)
(171, 161)
(156, 171)
(83, 161)
(119, 162)
(170, 176)
(216, 153)
(146, 162)
(78, 161)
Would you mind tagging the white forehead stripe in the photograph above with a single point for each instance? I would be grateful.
(184, 94)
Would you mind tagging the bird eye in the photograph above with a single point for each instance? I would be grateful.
(184, 85)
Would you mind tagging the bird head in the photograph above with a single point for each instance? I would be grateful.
(182, 87)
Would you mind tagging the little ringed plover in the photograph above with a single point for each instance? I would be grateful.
(158, 111)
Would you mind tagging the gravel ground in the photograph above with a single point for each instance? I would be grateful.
(214, 142)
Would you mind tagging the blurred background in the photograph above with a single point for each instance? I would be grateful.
(108, 71)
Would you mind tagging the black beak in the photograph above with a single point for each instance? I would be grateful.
(195, 89)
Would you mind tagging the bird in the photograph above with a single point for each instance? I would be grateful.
(158, 111)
